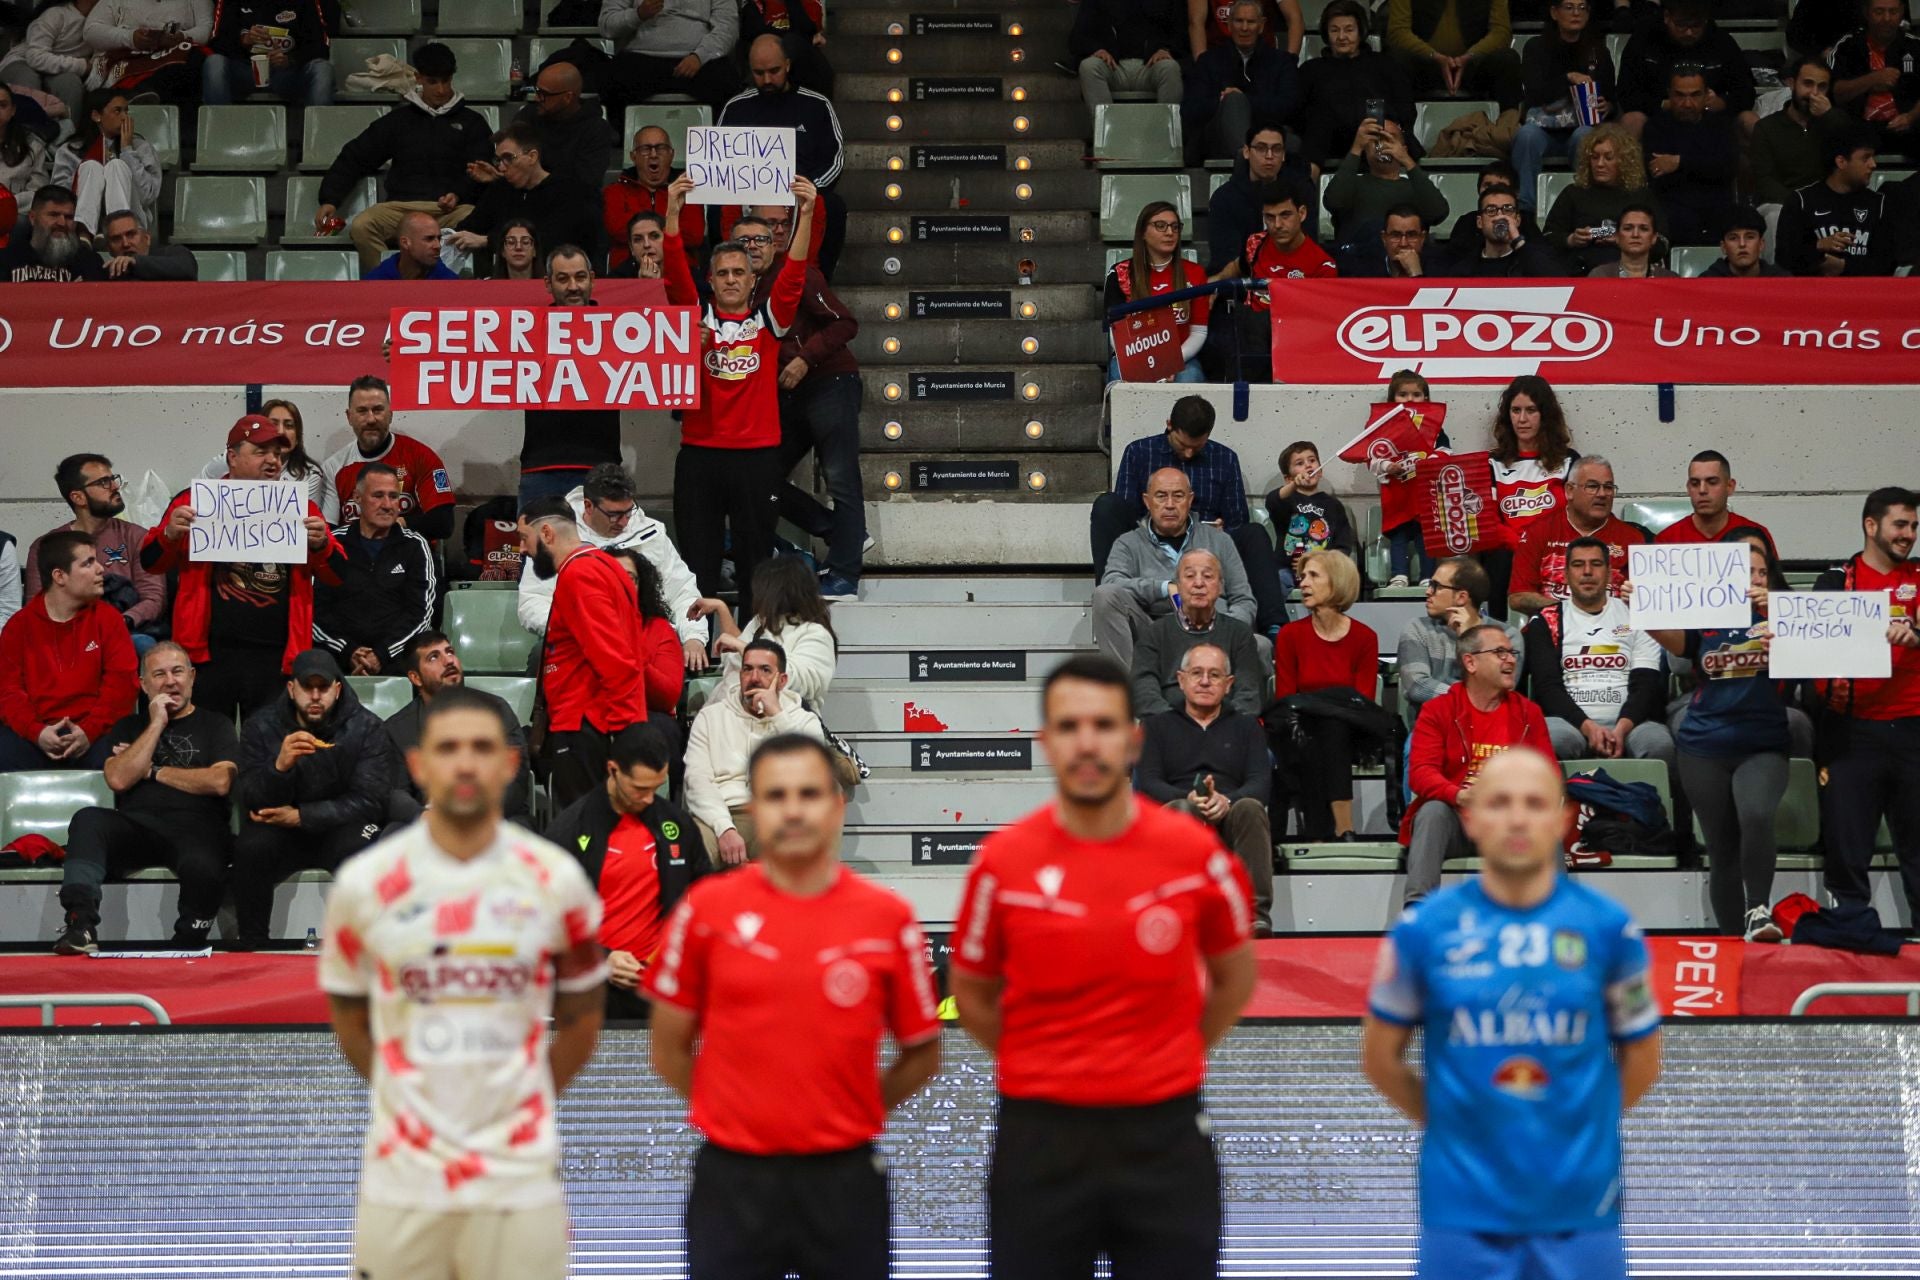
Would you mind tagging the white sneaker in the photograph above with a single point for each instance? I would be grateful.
(1398, 580)
(1761, 928)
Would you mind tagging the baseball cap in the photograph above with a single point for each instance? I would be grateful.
(256, 429)
(316, 663)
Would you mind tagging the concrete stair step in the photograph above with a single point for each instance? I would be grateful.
(933, 588)
(930, 708)
(1052, 476)
(860, 667)
(975, 190)
(964, 531)
(981, 342)
(932, 891)
(894, 799)
(975, 265)
(982, 385)
(951, 755)
(955, 122)
(1037, 84)
(1058, 302)
(942, 52)
(1043, 155)
(904, 225)
(1068, 427)
(1005, 625)
(1048, 27)
(937, 855)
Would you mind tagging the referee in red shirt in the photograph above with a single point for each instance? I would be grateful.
(787, 971)
(1102, 949)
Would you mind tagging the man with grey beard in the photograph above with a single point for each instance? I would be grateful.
(53, 253)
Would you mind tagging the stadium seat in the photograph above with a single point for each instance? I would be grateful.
(1692, 259)
(698, 690)
(1381, 855)
(303, 197)
(382, 695)
(43, 803)
(481, 17)
(517, 691)
(486, 631)
(1655, 513)
(486, 67)
(1429, 118)
(1215, 181)
(1122, 196)
(241, 140)
(1462, 191)
(490, 112)
(351, 54)
(1322, 230)
(159, 124)
(324, 130)
(221, 264)
(210, 210)
(1546, 189)
(312, 264)
(674, 117)
(1137, 135)
(540, 48)
(385, 17)
(1617, 45)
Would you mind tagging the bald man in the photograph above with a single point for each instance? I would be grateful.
(776, 102)
(575, 139)
(419, 254)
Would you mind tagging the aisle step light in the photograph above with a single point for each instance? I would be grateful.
(893, 431)
(1029, 345)
(1036, 429)
(1031, 391)
(892, 480)
(893, 311)
(890, 345)
(1036, 480)
(1027, 311)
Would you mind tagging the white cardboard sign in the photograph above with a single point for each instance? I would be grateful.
(1829, 634)
(1689, 586)
(254, 521)
(730, 164)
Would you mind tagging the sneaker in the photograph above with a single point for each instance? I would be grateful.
(78, 940)
(835, 587)
(1398, 580)
(1760, 926)
(867, 545)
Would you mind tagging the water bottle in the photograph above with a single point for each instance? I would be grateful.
(313, 939)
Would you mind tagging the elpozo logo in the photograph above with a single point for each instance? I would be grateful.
(1476, 332)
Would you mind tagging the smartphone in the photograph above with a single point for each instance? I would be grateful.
(1202, 784)
(1376, 110)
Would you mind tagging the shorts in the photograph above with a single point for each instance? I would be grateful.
(824, 1217)
(1562, 1255)
(392, 1243)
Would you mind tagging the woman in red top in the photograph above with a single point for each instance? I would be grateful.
(1156, 266)
(660, 656)
(1327, 650)
(1532, 457)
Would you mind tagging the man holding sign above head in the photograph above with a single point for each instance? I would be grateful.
(242, 620)
(1540, 564)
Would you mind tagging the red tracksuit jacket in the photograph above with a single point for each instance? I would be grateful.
(83, 669)
(591, 670)
(1442, 755)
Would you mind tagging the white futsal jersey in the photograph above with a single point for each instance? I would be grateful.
(460, 961)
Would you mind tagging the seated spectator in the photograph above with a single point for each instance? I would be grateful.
(1233, 210)
(1344, 85)
(1572, 52)
(1210, 762)
(418, 257)
(722, 740)
(428, 144)
(1505, 249)
(1743, 248)
(384, 591)
(801, 29)
(426, 491)
(432, 665)
(1236, 83)
(92, 493)
(775, 102)
(1710, 484)
(1327, 651)
(24, 161)
(1210, 25)
(107, 165)
(516, 251)
(294, 38)
(1305, 520)
(1540, 563)
(659, 656)
(295, 464)
(1457, 48)
(1399, 488)
(686, 49)
(1686, 37)
(1609, 175)
(1841, 226)
(609, 517)
(1138, 582)
(642, 188)
(1692, 157)
(1156, 266)
(171, 770)
(1876, 74)
(55, 59)
(67, 669)
(1377, 175)
(1429, 648)
(156, 40)
(242, 622)
(9, 577)
(787, 607)
(1403, 250)
(1132, 46)
(51, 251)
(1785, 152)
(1637, 241)
(132, 254)
(633, 842)
(1196, 620)
(1464, 240)
(561, 209)
(317, 772)
(576, 142)
(1281, 250)
(1457, 732)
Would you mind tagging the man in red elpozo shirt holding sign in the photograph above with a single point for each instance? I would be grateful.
(1102, 949)
(728, 471)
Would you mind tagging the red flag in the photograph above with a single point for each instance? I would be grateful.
(1412, 426)
(1458, 514)
(1147, 345)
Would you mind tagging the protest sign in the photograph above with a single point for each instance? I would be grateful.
(1689, 586)
(545, 358)
(255, 521)
(1829, 634)
(732, 164)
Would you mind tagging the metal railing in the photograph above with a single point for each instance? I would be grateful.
(1824, 990)
(47, 1003)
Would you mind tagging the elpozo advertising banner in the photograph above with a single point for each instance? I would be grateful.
(1740, 332)
(280, 333)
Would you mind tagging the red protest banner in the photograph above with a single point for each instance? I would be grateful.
(1147, 346)
(1458, 514)
(1736, 332)
(180, 335)
(485, 357)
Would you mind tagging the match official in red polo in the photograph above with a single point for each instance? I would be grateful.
(787, 971)
(1102, 949)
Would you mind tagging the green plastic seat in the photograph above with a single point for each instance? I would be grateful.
(382, 695)
(44, 803)
(221, 264)
(312, 264)
(490, 112)
(1462, 190)
(1546, 189)
(1655, 513)
(350, 54)
(485, 629)
(324, 130)
(698, 689)
(674, 117)
(516, 691)
(481, 17)
(1429, 118)
(1215, 181)
(1382, 855)
(385, 17)
(486, 66)
(159, 124)
(1693, 259)
(1123, 195)
(247, 139)
(1137, 135)
(303, 197)
(210, 210)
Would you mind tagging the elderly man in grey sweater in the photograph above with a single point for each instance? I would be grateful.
(1156, 660)
(1138, 584)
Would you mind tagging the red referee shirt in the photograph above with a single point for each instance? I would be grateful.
(791, 995)
(630, 918)
(1100, 946)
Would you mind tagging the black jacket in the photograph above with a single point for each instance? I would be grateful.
(1129, 29)
(680, 857)
(1175, 751)
(818, 151)
(579, 147)
(1650, 57)
(1531, 259)
(386, 595)
(426, 153)
(347, 784)
(1544, 65)
(1233, 212)
(403, 727)
(1333, 101)
(1852, 59)
(1270, 79)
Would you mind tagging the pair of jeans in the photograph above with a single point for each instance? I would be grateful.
(225, 80)
(1533, 146)
(1404, 543)
(822, 416)
(264, 855)
(556, 482)
(23, 755)
(1875, 775)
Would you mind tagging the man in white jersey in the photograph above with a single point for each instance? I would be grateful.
(447, 946)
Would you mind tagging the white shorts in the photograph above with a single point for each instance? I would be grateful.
(477, 1244)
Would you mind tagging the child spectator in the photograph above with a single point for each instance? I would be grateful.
(1306, 520)
(1399, 500)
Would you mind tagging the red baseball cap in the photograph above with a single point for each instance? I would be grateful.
(255, 429)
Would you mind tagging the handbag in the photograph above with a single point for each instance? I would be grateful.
(849, 770)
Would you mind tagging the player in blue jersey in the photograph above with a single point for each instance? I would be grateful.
(1540, 1029)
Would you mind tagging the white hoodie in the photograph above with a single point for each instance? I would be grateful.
(720, 744)
(643, 533)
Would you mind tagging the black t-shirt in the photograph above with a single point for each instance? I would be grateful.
(1304, 522)
(250, 603)
(198, 741)
(19, 264)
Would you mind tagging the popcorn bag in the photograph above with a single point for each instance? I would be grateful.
(1458, 515)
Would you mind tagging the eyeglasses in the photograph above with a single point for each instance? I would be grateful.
(1502, 654)
(1434, 586)
(654, 146)
(1267, 148)
(1497, 209)
(754, 242)
(1594, 486)
(104, 482)
(501, 162)
(1163, 224)
(620, 516)
(551, 93)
